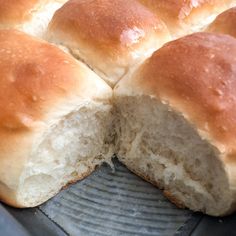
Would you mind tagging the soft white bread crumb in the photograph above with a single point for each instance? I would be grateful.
(177, 121)
(68, 151)
(158, 144)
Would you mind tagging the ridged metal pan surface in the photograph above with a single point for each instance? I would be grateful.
(114, 203)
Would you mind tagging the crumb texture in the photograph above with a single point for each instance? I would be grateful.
(69, 150)
(158, 144)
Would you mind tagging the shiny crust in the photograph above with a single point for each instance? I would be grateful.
(39, 83)
(34, 74)
(196, 75)
(110, 27)
(225, 23)
(110, 36)
(177, 14)
(16, 11)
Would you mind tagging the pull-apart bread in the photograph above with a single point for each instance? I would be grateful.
(111, 37)
(225, 23)
(30, 16)
(178, 121)
(55, 115)
(187, 16)
(171, 117)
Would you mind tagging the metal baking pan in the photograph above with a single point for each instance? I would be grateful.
(111, 202)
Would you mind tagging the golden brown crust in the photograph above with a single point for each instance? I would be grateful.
(225, 23)
(109, 27)
(16, 11)
(33, 73)
(178, 13)
(39, 84)
(111, 37)
(197, 76)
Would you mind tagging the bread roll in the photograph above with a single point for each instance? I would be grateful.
(177, 125)
(55, 115)
(30, 16)
(111, 37)
(186, 16)
(225, 23)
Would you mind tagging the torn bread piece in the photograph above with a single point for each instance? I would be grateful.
(54, 120)
(177, 122)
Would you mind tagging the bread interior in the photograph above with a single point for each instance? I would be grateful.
(158, 144)
(68, 151)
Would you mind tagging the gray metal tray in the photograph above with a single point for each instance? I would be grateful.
(111, 203)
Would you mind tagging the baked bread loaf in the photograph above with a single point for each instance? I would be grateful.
(54, 120)
(187, 16)
(225, 23)
(30, 16)
(177, 122)
(112, 37)
(174, 113)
